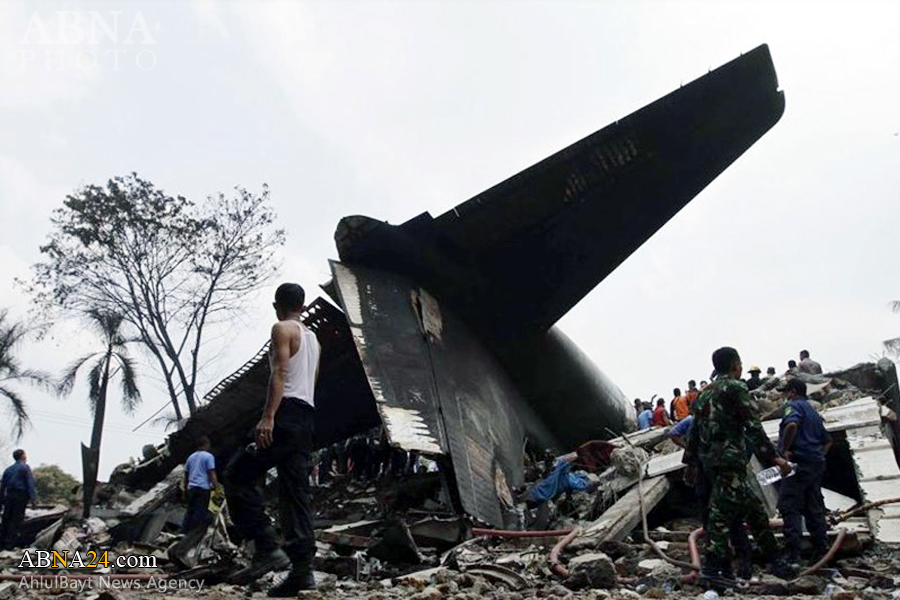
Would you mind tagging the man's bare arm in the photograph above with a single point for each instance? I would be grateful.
(281, 354)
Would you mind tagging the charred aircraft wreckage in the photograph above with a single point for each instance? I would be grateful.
(446, 334)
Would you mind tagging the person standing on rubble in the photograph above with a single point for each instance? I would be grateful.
(660, 418)
(680, 406)
(808, 365)
(199, 482)
(645, 419)
(754, 380)
(283, 439)
(16, 491)
(802, 439)
(692, 393)
(725, 432)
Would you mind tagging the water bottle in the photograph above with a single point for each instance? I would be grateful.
(773, 474)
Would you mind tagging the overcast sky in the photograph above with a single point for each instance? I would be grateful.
(392, 109)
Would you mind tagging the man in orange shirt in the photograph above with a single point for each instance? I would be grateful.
(692, 393)
(680, 406)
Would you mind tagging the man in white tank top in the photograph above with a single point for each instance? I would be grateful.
(283, 438)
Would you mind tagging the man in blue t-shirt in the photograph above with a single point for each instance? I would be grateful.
(16, 491)
(645, 419)
(802, 439)
(199, 481)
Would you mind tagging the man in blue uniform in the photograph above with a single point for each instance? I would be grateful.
(16, 491)
(802, 440)
(199, 480)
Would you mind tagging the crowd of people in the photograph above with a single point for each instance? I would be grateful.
(657, 413)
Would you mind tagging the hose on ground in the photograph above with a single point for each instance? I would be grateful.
(838, 542)
(657, 549)
(835, 546)
(555, 565)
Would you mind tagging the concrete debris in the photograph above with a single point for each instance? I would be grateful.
(591, 570)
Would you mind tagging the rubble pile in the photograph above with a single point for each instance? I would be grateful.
(579, 528)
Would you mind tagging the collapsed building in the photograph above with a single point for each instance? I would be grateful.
(441, 331)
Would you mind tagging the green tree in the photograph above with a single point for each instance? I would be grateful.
(169, 266)
(13, 374)
(53, 485)
(110, 362)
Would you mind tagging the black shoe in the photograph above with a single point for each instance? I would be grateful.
(295, 582)
(745, 569)
(714, 575)
(262, 563)
(782, 569)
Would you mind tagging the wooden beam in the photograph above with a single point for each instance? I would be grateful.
(623, 516)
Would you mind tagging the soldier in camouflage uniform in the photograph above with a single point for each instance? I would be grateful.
(725, 433)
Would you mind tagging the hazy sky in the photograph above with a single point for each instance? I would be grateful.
(392, 109)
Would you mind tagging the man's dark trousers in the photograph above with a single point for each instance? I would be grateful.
(13, 515)
(197, 508)
(801, 495)
(292, 441)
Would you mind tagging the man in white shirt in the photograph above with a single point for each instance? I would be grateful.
(283, 439)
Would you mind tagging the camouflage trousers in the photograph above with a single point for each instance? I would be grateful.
(732, 501)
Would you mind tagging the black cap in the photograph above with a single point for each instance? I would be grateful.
(794, 385)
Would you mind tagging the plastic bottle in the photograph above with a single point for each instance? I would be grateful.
(831, 589)
(773, 474)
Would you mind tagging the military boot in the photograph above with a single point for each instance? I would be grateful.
(715, 573)
(300, 578)
(782, 569)
(745, 563)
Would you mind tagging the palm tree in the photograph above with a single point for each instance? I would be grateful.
(11, 372)
(892, 346)
(113, 360)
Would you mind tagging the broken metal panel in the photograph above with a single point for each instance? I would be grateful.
(394, 355)
(481, 412)
(879, 479)
(437, 387)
